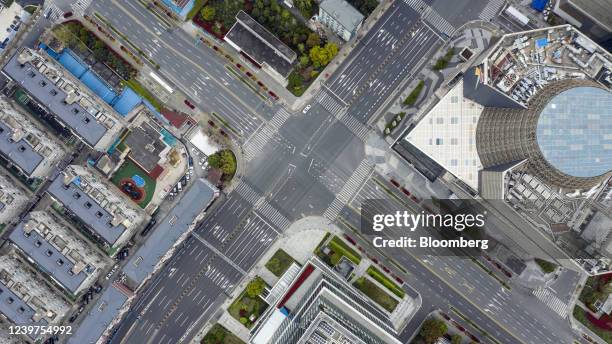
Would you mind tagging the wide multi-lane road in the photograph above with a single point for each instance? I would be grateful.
(195, 69)
(296, 165)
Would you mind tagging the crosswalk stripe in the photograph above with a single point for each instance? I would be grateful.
(247, 192)
(330, 104)
(81, 6)
(417, 5)
(356, 127)
(258, 141)
(491, 9)
(352, 185)
(266, 210)
(551, 301)
(433, 18)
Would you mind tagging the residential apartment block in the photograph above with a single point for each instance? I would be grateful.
(99, 206)
(69, 101)
(57, 250)
(340, 17)
(25, 298)
(13, 198)
(25, 145)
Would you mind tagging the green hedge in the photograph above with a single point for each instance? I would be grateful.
(340, 249)
(384, 280)
(376, 294)
(414, 95)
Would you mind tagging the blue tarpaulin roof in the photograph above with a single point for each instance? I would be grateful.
(126, 101)
(539, 5)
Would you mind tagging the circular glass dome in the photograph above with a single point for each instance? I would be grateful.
(574, 132)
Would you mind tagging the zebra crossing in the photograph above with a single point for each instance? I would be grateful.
(258, 141)
(491, 9)
(432, 17)
(551, 301)
(269, 212)
(331, 104)
(356, 127)
(247, 192)
(54, 12)
(362, 172)
(417, 5)
(80, 6)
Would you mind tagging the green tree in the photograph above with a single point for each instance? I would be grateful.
(255, 287)
(313, 40)
(208, 13)
(433, 329)
(214, 160)
(274, 265)
(304, 60)
(456, 339)
(306, 7)
(295, 81)
(321, 56)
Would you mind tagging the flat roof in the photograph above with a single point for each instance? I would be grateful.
(194, 201)
(574, 132)
(15, 309)
(145, 146)
(40, 87)
(67, 195)
(99, 317)
(19, 152)
(266, 36)
(343, 13)
(47, 256)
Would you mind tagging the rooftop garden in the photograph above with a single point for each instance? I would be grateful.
(218, 16)
(385, 281)
(431, 331)
(220, 335)
(375, 293)
(249, 306)
(279, 263)
(332, 252)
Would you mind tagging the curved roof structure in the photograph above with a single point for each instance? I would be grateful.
(574, 132)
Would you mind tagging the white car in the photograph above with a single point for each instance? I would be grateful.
(306, 109)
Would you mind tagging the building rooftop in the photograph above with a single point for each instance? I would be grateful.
(447, 134)
(146, 145)
(57, 250)
(33, 301)
(343, 12)
(103, 211)
(573, 131)
(13, 199)
(99, 317)
(259, 44)
(176, 223)
(45, 81)
(26, 145)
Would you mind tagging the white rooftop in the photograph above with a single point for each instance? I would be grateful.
(447, 134)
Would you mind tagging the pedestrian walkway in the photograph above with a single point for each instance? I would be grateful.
(330, 104)
(432, 17)
(491, 9)
(55, 13)
(551, 301)
(356, 127)
(269, 212)
(247, 192)
(418, 5)
(80, 7)
(258, 141)
(362, 172)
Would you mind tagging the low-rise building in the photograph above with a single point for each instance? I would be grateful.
(319, 307)
(97, 205)
(340, 17)
(25, 298)
(146, 144)
(58, 251)
(261, 47)
(12, 18)
(13, 198)
(26, 145)
(64, 97)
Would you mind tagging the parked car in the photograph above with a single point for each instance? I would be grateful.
(188, 103)
(306, 109)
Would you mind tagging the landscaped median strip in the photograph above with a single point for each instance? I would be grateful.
(225, 124)
(246, 82)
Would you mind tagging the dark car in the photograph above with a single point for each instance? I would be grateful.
(188, 103)
(67, 14)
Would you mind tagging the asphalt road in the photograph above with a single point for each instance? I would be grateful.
(195, 69)
(310, 164)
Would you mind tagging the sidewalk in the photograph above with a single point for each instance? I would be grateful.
(292, 102)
